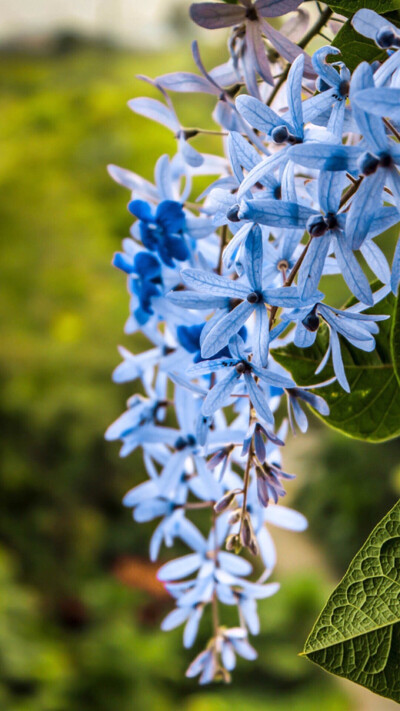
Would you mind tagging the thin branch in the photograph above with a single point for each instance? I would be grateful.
(192, 132)
(350, 191)
(214, 599)
(392, 128)
(312, 32)
(224, 236)
(290, 279)
(192, 505)
(246, 482)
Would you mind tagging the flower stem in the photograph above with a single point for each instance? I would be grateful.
(392, 128)
(290, 279)
(214, 599)
(312, 32)
(246, 482)
(224, 235)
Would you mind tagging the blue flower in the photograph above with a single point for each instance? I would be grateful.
(162, 232)
(236, 368)
(358, 328)
(329, 107)
(377, 28)
(295, 412)
(190, 338)
(246, 299)
(248, 48)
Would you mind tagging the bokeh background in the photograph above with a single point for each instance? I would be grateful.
(80, 606)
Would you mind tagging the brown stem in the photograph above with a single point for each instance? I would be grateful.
(392, 128)
(206, 131)
(214, 600)
(350, 191)
(224, 235)
(289, 280)
(246, 482)
(192, 505)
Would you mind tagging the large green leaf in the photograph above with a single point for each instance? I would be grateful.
(357, 635)
(371, 411)
(355, 48)
(395, 341)
(349, 7)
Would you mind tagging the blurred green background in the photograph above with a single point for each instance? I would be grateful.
(80, 607)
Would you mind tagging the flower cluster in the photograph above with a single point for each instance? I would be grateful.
(307, 180)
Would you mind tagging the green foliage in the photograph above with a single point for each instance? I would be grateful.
(349, 485)
(395, 342)
(371, 411)
(349, 7)
(357, 634)
(354, 47)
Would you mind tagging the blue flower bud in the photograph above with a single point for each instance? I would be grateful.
(368, 163)
(311, 321)
(233, 213)
(280, 134)
(385, 37)
(316, 226)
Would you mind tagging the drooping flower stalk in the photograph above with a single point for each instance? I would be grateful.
(219, 280)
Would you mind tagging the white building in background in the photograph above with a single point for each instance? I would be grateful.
(129, 22)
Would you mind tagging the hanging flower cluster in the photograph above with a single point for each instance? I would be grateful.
(308, 179)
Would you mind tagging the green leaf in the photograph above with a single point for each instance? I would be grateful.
(371, 411)
(349, 7)
(355, 48)
(395, 340)
(357, 635)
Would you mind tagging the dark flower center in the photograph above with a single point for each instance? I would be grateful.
(330, 220)
(251, 14)
(183, 442)
(385, 160)
(344, 87)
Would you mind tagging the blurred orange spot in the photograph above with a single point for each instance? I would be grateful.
(141, 575)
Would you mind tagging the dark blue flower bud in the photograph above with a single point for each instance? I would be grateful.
(316, 226)
(311, 321)
(385, 37)
(253, 297)
(280, 134)
(242, 367)
(233, 213)
(368, 163)
(180, 444)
